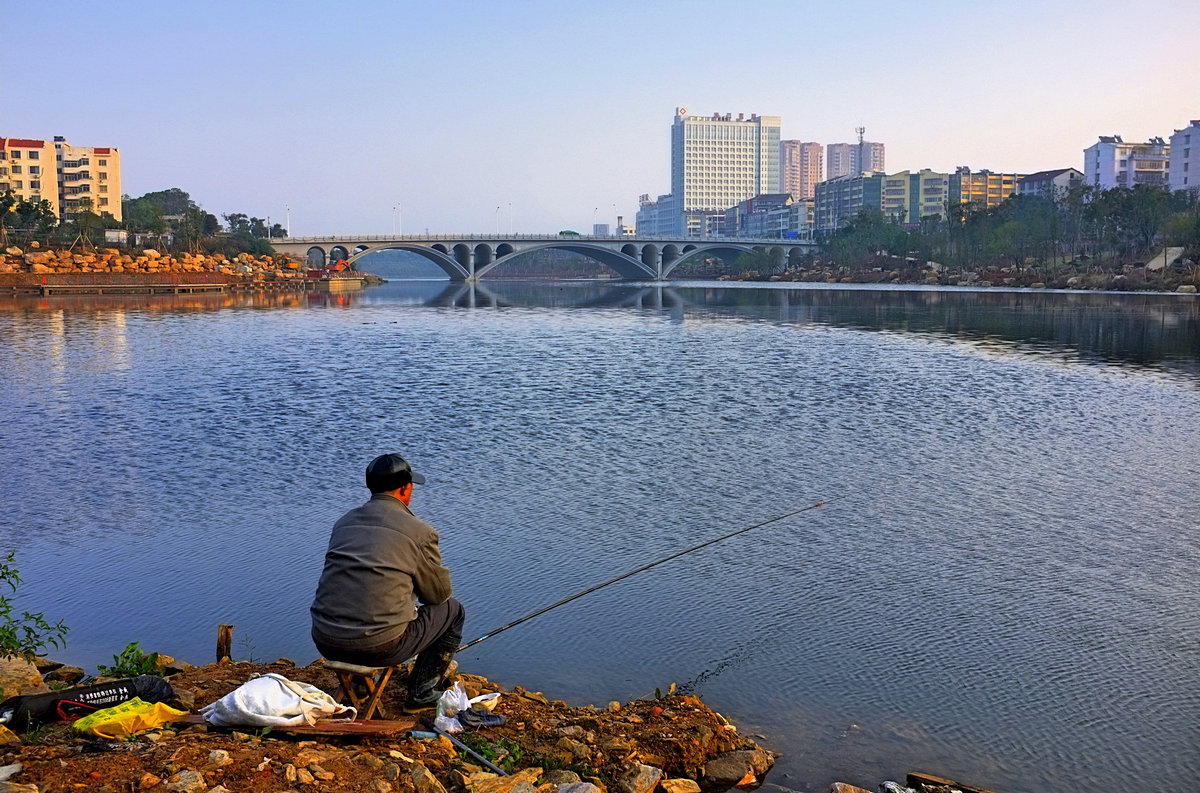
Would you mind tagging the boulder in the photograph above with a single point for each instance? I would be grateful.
(520, 782)
(150, 253)
(740, 767)
(14, 251)
(423, 781)
(1189, 289)
(638, 779)
(842, 787)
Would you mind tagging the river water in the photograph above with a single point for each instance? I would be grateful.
(1003, 589)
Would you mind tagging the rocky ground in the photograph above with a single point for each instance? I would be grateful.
(674, 743)
(111, 260)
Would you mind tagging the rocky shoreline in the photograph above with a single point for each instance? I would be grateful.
(673, 743)
(112, 260)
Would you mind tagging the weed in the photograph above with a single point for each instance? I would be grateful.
(131, 662)
(30, 633)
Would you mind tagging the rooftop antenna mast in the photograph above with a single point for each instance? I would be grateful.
(860, 130)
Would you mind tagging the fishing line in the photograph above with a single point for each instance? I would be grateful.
(643, 568)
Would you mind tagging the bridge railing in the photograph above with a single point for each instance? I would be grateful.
(535, 238)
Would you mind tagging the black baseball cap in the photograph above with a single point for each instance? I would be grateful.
(390, 471)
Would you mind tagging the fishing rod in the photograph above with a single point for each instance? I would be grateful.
(643, 568)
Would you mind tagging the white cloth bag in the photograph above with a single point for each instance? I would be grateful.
(272, 700)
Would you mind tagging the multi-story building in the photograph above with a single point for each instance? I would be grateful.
(749, 218)
(67, 176)
(908, 197)
(717, 161)
(1051, 184)
(837, 201)
(1182, 177)
(28, 170)
(1111, 162)
(982, 189)
(800, 167)
(853, 159)
(88, 174)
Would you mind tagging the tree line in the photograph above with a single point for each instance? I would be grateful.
(167, 219)
(1084, 229)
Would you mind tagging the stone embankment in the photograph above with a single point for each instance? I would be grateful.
(112, 260)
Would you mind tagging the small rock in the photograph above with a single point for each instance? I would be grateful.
(65, 674)
(391, 772)
(842, 787)
(579, 751)
(186, 698)
(380, 786)
(423, 781)
(561, 777)
(370, 761)
(1187, 289)
(7, 772)
(614, 706)
(680, 786)
(149, 780)
(218, 758)
(578, 787)
(218, 789)
(321, 774)
(188, 780)
(304, 776)
(639, 779)
(289, 774)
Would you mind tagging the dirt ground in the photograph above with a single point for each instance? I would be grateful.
(677, 734)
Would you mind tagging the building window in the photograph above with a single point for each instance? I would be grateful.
(35, 185)
(103, 176)
(103, 202)
(16, 169)
(102, 162)
(33, 169)
(103, 188)
(16, 155)
(33, 155)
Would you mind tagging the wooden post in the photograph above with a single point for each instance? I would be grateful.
(224, 642)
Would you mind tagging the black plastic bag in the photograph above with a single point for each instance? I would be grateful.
(23, 712)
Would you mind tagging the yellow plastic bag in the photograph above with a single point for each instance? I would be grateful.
(128, 718)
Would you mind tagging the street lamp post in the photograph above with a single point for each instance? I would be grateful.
(510, 218)
(594, 211)
(288, 210)
(393, 220)
(497, 220)
(616, 225)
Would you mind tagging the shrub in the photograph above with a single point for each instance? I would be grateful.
(30, 633)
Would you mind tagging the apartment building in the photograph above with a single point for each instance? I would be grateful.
(88, 174)
(1051, 184)
(910, 197)
(1182, 175)
(837, 201)
(853, 159)
(800, 167)
(62, 174)
(982, 189)
(1111, 162)
(28, 170)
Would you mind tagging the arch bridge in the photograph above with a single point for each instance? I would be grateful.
(469, 257)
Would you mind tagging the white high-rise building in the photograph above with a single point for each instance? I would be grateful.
(800, 167)
(1183, 176)
(1111, 162)
(718, 161)
(853, 159)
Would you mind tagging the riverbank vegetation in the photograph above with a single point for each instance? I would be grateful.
(1122, 238)
(168, 221)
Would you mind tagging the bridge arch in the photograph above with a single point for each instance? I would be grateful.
(483, 255)
(722, 250)
(316, 257)
(360, 249)
(462, 255)
(449, 266)
(338, 252)
(437, 246)
(625, 266)
(503, 249)
(630, 250)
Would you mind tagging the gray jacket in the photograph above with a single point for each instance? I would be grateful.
(381, 560)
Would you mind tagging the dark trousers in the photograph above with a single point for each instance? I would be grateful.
(437, 630)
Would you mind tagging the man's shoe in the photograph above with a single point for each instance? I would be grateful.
(414, 708)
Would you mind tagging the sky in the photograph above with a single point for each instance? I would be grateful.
(361, 117)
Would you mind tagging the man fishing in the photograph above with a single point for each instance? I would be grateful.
(384, 595)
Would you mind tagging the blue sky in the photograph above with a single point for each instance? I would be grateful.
(563, 109)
